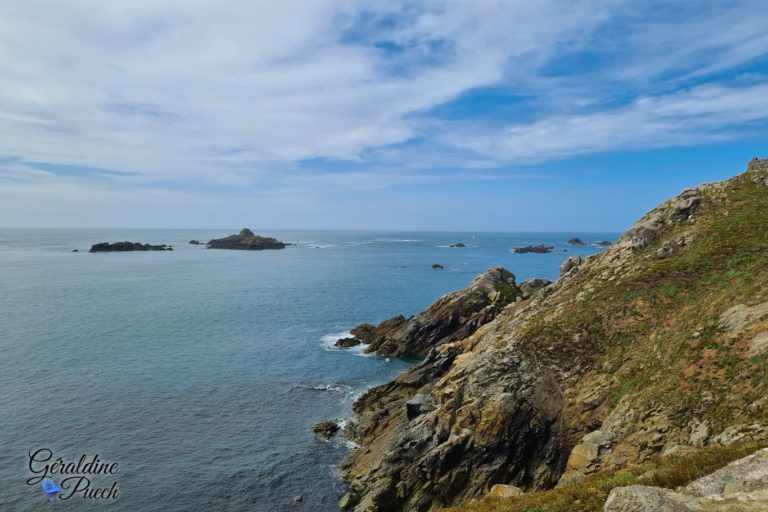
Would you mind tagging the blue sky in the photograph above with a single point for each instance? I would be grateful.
(341, 114)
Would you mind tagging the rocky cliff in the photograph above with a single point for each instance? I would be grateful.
(652, 346)
(453, 317)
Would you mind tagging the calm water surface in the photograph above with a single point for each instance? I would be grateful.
(201, 371)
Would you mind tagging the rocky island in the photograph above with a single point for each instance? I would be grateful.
(576, 241)
(654, 347)
(541, 249)
(246, 240)
(128, 246)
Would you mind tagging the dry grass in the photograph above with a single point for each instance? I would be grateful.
(589, 495)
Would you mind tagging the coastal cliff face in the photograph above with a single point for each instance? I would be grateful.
(652, 346)
(453, 317)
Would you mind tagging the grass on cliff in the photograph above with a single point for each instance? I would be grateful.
(589, 495)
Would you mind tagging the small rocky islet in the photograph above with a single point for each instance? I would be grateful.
(539, 249)
(246, 240)
(127, 247)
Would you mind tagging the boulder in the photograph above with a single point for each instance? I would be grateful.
(325, 429)
(570, 264)
(348, 342)
(246, 240)
(437, 266)
(458, 245)
(741, 316)
(505, 491)
(541, 249)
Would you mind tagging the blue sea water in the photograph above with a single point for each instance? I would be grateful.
(200, 372)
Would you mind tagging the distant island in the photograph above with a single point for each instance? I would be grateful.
(246, 240)
(533, 248)
(128, 246)
(576, 241)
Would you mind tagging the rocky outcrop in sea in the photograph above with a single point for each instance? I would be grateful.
(454, 316)
(246, 240)
(533, 248)
(128, 246)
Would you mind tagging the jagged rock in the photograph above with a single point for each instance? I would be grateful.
(576, 241)
(452, 317)
(740, 433)
(741, 486)
(195, 242)
(458, 245)
(533, 285)
(75, 250)
(534, 248)
(570, 264)
(699, 433)
(325, 429)
(418, 405)
(128, 246)
(437, 266)
(348, 342)
(246, 240)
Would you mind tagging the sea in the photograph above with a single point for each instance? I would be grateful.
(196, 375)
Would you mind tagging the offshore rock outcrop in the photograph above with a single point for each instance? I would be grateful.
(452, 317)
(127, 247)
(246, 240)
(651, 346)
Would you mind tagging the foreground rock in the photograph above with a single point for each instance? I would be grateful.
(741, 486)
(576, 241)
(533, 248)
(347, 342)
(325, 429)
(453, 317)
(625, 358)
(246, 240)
(128, 246)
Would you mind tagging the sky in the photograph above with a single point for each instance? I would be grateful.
(373, 114)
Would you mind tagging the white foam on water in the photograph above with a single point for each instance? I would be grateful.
(328, 342)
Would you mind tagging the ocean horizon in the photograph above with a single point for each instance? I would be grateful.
(201, 372)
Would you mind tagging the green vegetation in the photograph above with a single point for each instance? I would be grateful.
(589, 495)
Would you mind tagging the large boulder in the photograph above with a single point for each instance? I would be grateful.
(570, 264)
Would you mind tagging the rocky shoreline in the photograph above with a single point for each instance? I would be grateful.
(634, 352)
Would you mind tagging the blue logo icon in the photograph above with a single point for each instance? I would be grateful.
(50, 489)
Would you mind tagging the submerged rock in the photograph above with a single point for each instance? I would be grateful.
(458, 245)
(127, 246)
(534, 248)
(195, 242)
(437, 266)
(246, 240)
(452, 317)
